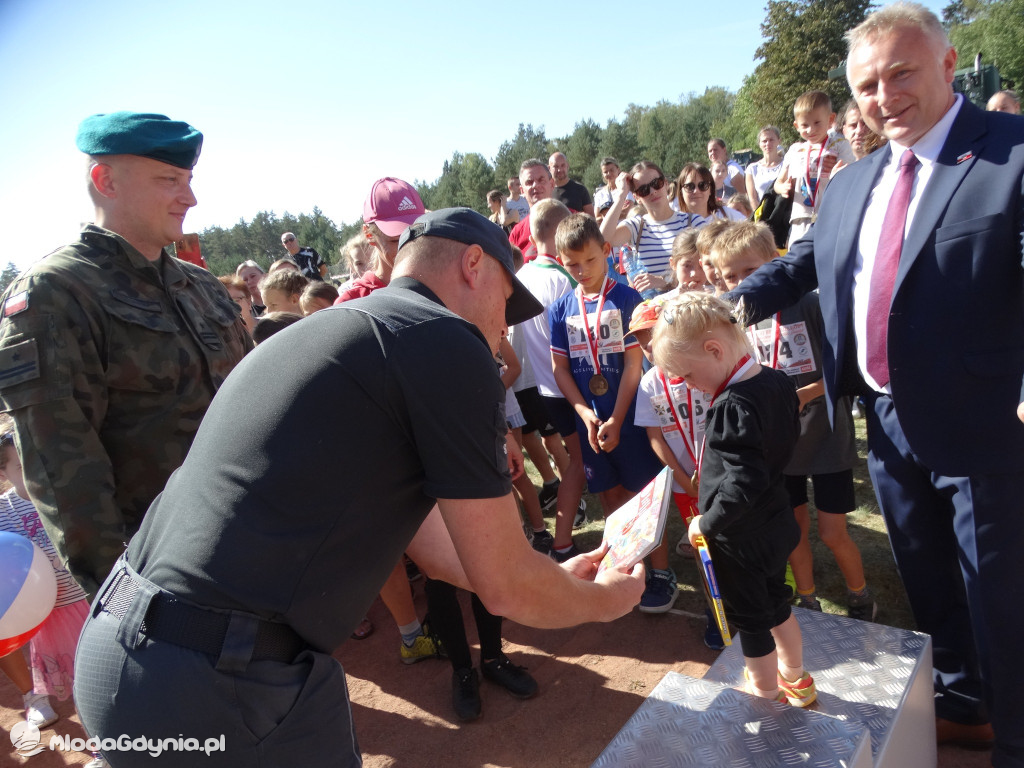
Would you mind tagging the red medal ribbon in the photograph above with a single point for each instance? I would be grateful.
(744, 364)
(776, 341)
(594, 340)
(688, 439)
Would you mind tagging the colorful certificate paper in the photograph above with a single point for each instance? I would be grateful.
(637, 527)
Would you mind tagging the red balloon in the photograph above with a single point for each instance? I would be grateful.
(11, 644)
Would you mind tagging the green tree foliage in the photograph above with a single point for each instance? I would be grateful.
(260, 239)
(581, 148)
(526, 144)
(619, 141)
(7, 276)
(465, 181)
(803, 40)
(993, 28)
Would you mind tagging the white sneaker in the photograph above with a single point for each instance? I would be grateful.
(38, 710)
(98, 761)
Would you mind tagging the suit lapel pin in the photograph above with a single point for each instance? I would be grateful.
(964, 157)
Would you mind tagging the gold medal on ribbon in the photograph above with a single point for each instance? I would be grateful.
(598, 385)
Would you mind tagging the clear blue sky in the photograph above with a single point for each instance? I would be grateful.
(305, 103)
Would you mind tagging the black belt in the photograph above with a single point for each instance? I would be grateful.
(200, 629)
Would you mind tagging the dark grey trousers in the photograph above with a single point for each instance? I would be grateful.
(187, 707)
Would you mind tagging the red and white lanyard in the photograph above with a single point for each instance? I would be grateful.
(687, 434)
(745, 364)
(594, 340)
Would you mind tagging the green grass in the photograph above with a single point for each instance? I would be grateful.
(865, 525)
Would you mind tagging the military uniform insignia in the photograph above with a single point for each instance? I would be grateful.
(18, 363)
(15, 304)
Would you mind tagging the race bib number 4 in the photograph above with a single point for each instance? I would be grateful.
(792, 347)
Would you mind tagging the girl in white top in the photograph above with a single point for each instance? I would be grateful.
(653, 232)
(762, 174)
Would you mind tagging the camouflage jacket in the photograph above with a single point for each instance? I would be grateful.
(108, 362)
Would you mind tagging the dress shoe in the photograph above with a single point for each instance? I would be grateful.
(966, 736)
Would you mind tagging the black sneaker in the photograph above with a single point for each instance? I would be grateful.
(581, 515)
(861, 606)
(810, 602)
(561, 557)
(542, 541)
(548, 495)
(466, 694)
(513, 678)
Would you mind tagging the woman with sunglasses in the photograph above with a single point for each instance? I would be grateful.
(696, 197)
(653, 232)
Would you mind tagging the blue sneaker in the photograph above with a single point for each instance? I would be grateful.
(712, 636)
(661, 592)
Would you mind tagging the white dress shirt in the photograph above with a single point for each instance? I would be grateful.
(927, 151)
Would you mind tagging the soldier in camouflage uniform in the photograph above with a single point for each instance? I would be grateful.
(111, 349)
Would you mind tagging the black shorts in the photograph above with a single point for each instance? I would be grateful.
(561, 414)
(536, 415)
(833, 492)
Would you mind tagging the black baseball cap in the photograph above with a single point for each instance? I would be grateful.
(465, 225)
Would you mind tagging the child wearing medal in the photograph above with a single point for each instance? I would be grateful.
(597, 368)
(673, 416)
(809, 163)
(745, 516)
(825, 452)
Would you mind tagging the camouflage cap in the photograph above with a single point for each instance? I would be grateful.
(135, 133)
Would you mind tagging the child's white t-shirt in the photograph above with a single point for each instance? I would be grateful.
(652, 410)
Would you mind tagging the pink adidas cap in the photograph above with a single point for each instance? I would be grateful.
(392, 205)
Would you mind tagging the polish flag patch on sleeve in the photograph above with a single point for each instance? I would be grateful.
(16, 303)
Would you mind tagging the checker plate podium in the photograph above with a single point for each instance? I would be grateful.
(875, 697)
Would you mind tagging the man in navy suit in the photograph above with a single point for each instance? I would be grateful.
(939, 360)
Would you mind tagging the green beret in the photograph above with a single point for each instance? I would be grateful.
(134, 133)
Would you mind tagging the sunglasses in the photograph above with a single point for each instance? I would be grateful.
(288, 240)
(690, 187)
(643, 190)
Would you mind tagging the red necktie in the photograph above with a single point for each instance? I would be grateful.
(883, 275)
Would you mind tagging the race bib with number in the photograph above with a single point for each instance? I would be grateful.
(609, 334)
(793, 348)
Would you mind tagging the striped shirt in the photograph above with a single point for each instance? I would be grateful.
(19, 516)
(655, 246)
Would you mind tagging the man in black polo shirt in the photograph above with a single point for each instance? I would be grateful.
(258, 559)
(311, 263)
(570, 193)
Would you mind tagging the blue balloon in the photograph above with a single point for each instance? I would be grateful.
(15, 563)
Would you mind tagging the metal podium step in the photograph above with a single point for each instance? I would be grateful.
(686, 722)
(878, 676)
(875, 707)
